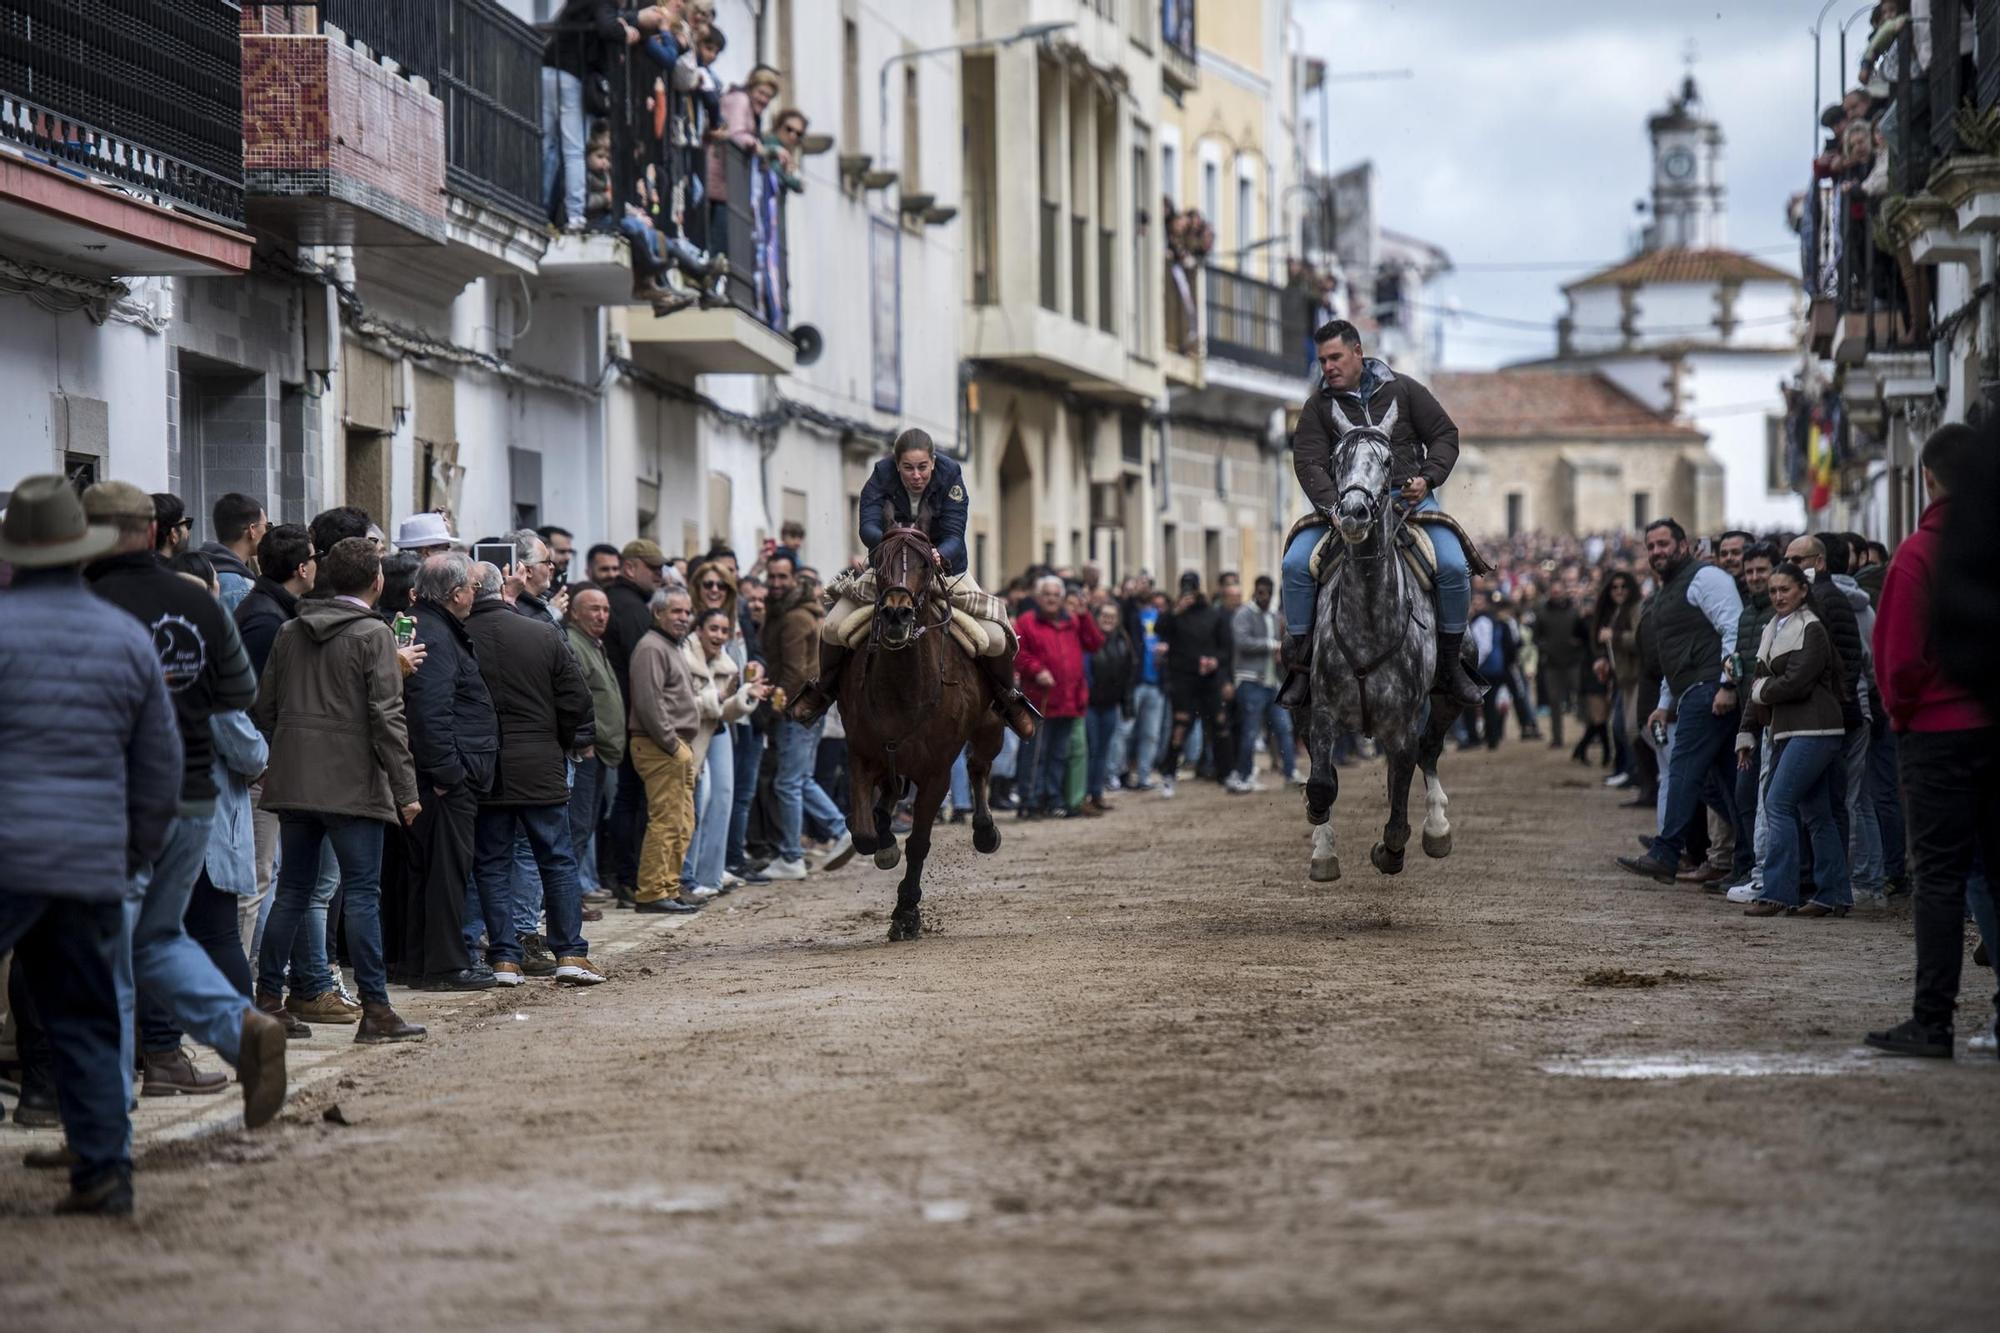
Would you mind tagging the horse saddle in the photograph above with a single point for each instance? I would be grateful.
(1413, 543)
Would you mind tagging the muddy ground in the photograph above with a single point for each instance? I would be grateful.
(1140, 1075)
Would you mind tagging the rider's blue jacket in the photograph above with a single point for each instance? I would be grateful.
(883, 501)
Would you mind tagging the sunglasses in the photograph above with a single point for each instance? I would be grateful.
(712, 583)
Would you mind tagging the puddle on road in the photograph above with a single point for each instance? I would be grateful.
(1723, 1064)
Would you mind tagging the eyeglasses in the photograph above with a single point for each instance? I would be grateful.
(717, 584)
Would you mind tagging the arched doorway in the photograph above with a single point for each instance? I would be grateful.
(1017, 511)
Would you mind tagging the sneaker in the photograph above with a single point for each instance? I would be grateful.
(840, 853)
(536, 960)
(1983, 1043)
(785, 870)
(1113, 783)
(330, 1007)
(1254, 784)
(574, 970)
(1912, 1038)
(1235, 786)
(509, 974)
(658, 907)
(732, 880)
(1741, 893)
(1166, 789)
(698, 891)
(1618, 780)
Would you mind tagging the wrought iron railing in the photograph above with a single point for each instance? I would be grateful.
(759, 269)
(1106, 312)
(409, 32)
(1947, 80)
(1177, 40)
(491, 83)
(1986, 46)
(146, 96)
(1246, 320)
(1179, 309)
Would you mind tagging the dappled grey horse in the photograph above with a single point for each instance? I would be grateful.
(1374, 656)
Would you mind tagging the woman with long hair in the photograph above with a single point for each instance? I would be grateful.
(1614, 627)
(722, 699)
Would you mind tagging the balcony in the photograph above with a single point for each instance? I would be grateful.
(124, 134)
(339, 147)
(1180, 68)
(747, 332)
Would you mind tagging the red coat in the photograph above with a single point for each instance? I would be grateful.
(1057, 647)
(1916, 695)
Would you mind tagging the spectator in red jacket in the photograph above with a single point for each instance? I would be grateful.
(1054, 637)
(1948, 755)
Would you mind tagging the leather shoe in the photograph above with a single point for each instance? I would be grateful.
(37, 1109)
(1912, 1038)
(107, 1194)
(1704, 874)
(172, 1073)
(465, 978)
(592, 914)
(381, 1024)
(260, 1067)
(675, 906)
(295, 1027)
(49, 1159)
(1650, 867)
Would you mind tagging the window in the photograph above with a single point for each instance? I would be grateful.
(912, 145)
(850, 85)
(781, 20)
(1170, 172)
(1516, 504)
(1774, 455)
(1246, 210)
(1642, 510)
(1211, 187)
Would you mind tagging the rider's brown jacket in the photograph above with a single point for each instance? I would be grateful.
(1423, 442)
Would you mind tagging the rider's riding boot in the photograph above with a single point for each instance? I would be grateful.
(1014, 707)
(1451, 678)
(816, 698)
(1297, 689)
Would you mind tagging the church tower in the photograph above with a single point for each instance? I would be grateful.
(1688, 191)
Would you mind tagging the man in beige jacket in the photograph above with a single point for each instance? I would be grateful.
(662, 722)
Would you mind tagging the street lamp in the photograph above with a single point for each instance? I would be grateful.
(1029, 33)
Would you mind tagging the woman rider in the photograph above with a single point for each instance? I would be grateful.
(1423, 447)
(914, 487)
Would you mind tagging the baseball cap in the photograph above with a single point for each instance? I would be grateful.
(117, 499)
(642, 549)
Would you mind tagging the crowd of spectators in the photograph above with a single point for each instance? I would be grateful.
(640, 136)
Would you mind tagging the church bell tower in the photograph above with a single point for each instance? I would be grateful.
(1688, 191)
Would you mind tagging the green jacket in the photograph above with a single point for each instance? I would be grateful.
(1749, 632)
(606, 700)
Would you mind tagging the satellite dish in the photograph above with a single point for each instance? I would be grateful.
(808, 343)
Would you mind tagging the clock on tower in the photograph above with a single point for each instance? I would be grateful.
(1687, 175)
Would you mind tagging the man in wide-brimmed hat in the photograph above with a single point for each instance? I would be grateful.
(91, 782)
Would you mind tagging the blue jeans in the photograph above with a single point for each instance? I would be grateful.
(1257, 711)
(67, 953)
(1007, 763)
(1864, 838)
(708, 856)
(1887, 794)
(175, 972)
(524, 889)
(358, 844)
(1050, 748)
(586, 804)
(1100, 735)
(1801, 786)
(313, 954)
(798, 795)
(961, 783)
(1702, 762)
(545, 829)
(1454, 579)
(562, 144)
(1149, 721)
(749, 759)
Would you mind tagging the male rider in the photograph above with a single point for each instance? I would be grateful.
(915, 487)
(1423, 447)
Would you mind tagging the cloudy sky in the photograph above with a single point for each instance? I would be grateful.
(1521, 139)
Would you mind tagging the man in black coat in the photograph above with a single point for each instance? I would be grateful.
(454, 741)
(1199, 645)
(286, 572)
(543, 705)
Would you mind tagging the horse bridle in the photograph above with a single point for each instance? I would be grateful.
(930, 600)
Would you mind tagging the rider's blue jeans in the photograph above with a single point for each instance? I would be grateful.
(1454, 581)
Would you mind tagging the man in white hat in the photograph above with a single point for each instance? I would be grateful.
(426, 534)
(91, 786)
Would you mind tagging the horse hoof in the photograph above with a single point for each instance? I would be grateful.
(986, 838)
(906, 925)
(888, 856)
(1439, 846)
(1325, 870)
(1384, 860)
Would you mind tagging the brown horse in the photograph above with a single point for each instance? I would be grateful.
(911, 700)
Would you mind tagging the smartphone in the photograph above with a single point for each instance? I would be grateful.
(500, 554)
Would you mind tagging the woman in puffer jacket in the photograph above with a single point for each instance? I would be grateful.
(720, 699)
(1796, 691)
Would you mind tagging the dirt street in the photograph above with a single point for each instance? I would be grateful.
(1138, 1075)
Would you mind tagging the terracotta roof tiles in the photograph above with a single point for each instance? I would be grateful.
(1677, 265)
(1549, 404)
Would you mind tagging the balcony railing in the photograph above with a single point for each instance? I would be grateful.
(1986, 43)
(1179, 60)
(409, 32)
(1051, 222)
(149, 97)
(759, 274)
(491, 82)
(1246, 321)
